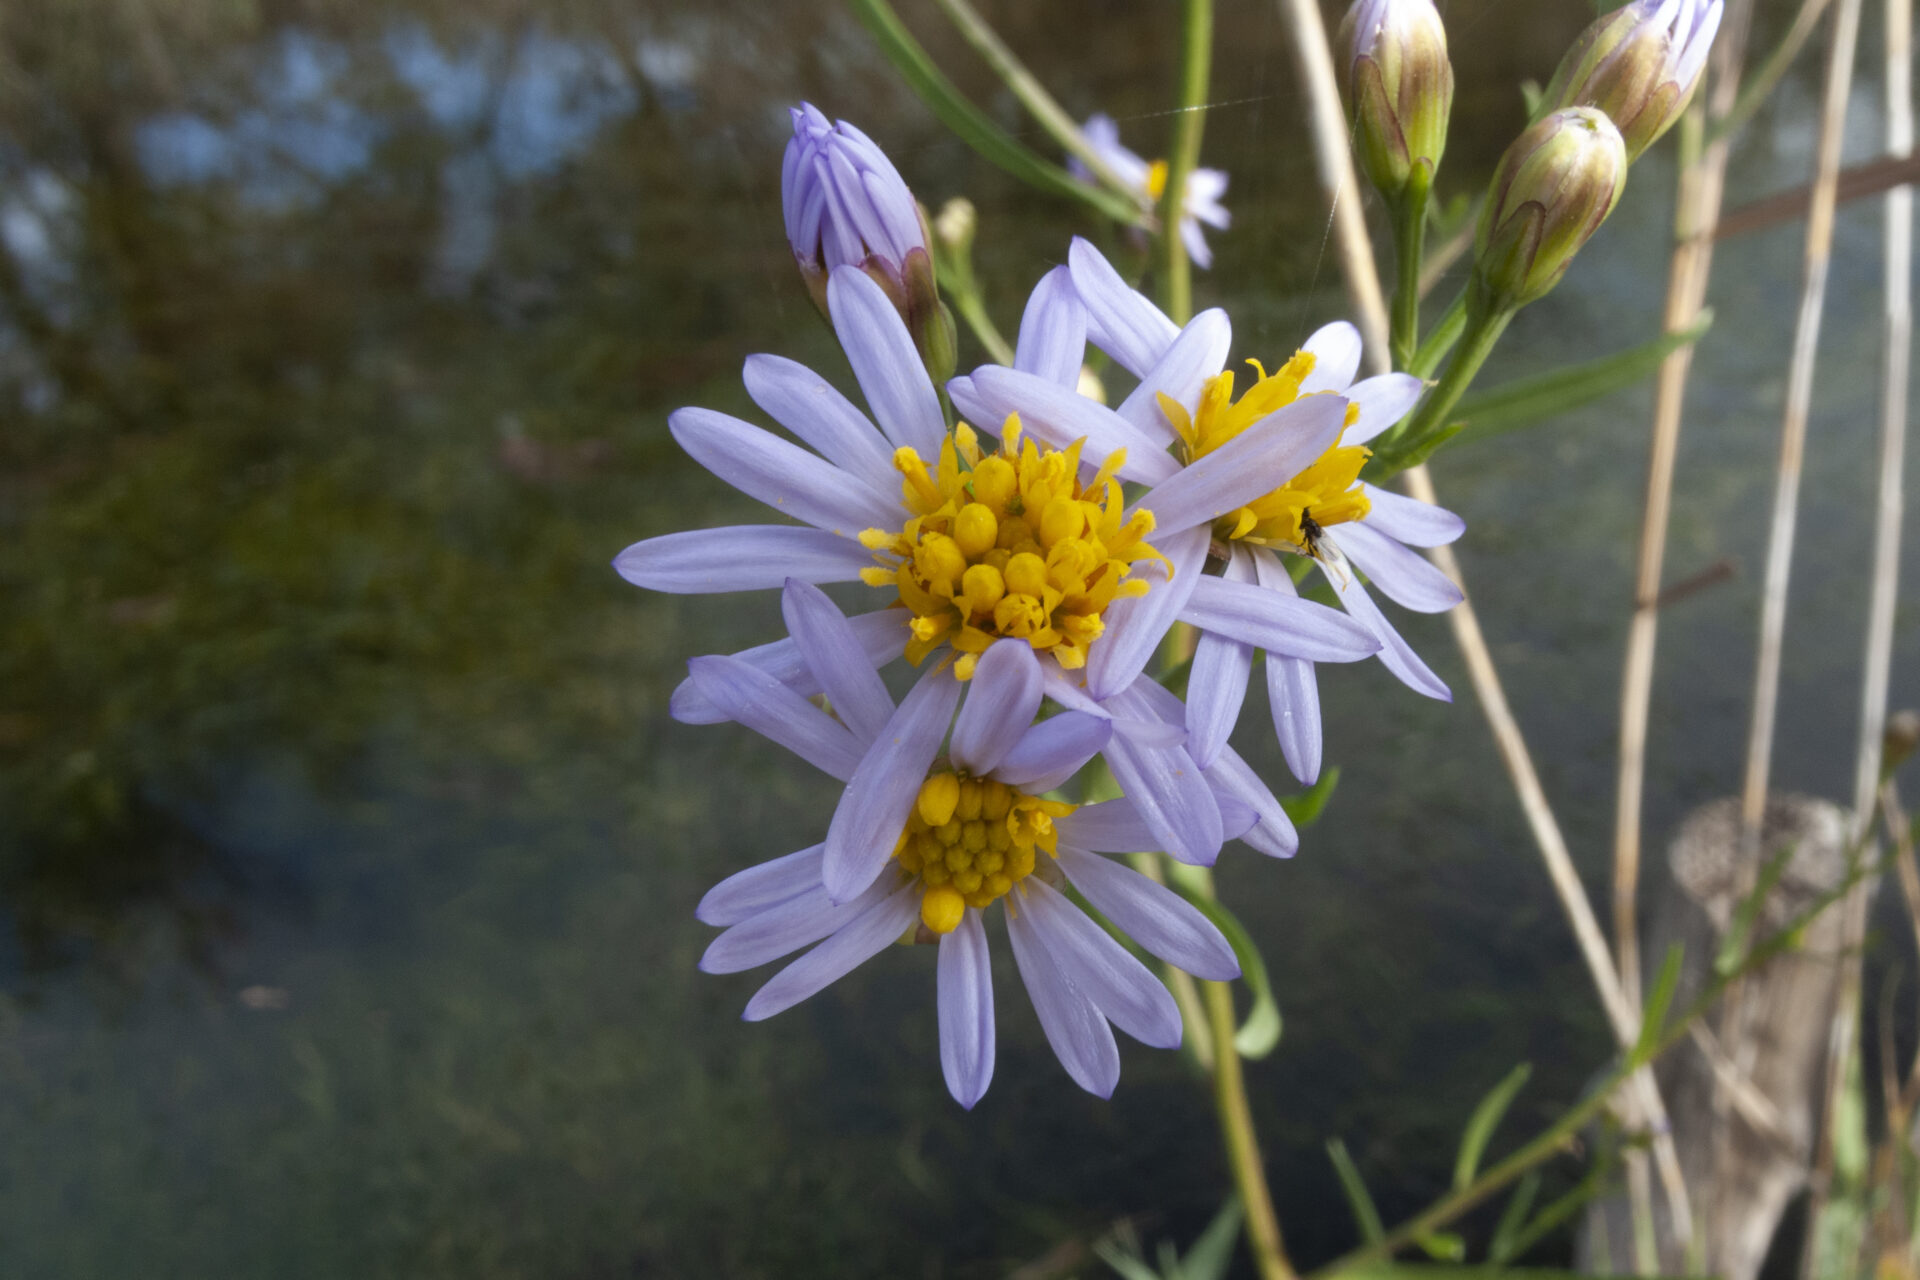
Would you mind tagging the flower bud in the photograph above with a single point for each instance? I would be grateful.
(846, 204)
(1554, 187)
(1639, 64)
(1399, 88)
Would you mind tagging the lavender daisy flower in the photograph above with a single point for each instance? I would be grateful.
(1311, 419)
(1199, 203)
(924, 842)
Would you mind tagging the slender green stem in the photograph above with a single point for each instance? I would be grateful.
(1428, 426)
(1196, 58)
(1243, 1148)
(1032, 94)
(972, 310)
(1409, 244)
(1763, 81)
(1440, 341)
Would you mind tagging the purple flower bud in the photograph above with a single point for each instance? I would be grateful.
(1399, 88)
(846, 205)
(1553, 188)
(1639, 64)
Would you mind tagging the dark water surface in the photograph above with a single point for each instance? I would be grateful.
(347, 853)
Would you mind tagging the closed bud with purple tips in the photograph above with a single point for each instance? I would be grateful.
(1640, 64)
(1554, 187)
(1399, 89)
(846, 205)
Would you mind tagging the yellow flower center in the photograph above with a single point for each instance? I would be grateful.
(969, 842)
(1009, 544)
(1157, 179)
(1328, 492)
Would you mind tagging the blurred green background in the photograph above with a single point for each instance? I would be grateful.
(347, 852)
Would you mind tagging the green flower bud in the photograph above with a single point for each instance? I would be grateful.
(1554, 187)
(1640, 65)
(1399, 89)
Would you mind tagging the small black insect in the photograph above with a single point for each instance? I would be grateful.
(1310, 534)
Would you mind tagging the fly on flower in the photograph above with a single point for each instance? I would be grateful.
(942, 819)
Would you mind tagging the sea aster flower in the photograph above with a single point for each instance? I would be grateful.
(1182, 422)
(1200, 203)
(940, 838)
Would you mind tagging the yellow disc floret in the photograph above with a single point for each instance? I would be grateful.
(1009, 544)
(1327, 492)
(968, 842)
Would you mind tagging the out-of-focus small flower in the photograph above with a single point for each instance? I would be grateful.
(1200, 203)
(1553, 188)
(846, 205)
(1640, 64)
(1399, 88)
(956, 224)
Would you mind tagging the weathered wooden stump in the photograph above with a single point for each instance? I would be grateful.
(1743, 1167)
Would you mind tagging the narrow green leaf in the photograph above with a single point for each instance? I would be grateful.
(1259, 1034)
(1733, 948)
(1501, 1248)
(1653, 1015)
(1443, 1246)
(1486, 1117)
(1128, 1266)
(1306, 807)
(1554, 1215)
(1526, 401)
(1365, 1215)
(974, 126)
(1212, 1253)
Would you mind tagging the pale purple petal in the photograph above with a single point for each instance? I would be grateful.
(1274, 834)
(806, 404)
(1120, 986)
(837, 660)
(1153, 915)
(882, 636)
(1293, 694)
(872, 813)
(1053, 331)
(885, 362)
(1069, 689)
(1395, 652)
(1408, 520)
(1695, 57)
(1136, 625)
(857, 941)
(1277, 622)
(1253, 463)
(1335, 349)
(1217, 681)
(1113, 826)
(1383, 401)
(1198, 354)
(1135, 332)
(1194, 238)
(784, 476)
(780, 929)
(1408, 578)
(1052, 751)
(768, 884)
(1080, 1037)
(755, 699)
(1060, 415)
(974, 408)
(1002, 699)
(1164, 783)
(741, 557)
(965, 984)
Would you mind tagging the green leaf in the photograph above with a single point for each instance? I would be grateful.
(1127, 1265)
(1733, 948)
(1554, 1215)
(1364, 1212)
(1391, 459)
(1526, 401)
(1443, 1246)
(1260, 1032)
(1212, 1253)
(1486, 1117)
(1305, 808)
(1653, 1016)
(974, 126)
(1501, 1248)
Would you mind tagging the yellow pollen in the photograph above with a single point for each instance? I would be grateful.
(1328, 492)
(982, 845)
(1009, 544)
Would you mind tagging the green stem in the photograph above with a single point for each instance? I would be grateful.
(967, 302)
(1409, 243)
(1243, 1148)
(1196, 57)
(1031, 93)
(1439, 342)
(1428, 426)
